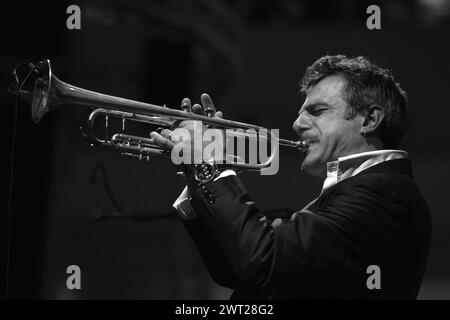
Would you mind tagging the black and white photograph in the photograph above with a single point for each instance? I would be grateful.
(223, 155)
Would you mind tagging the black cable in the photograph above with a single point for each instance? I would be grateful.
(119, 213)
(10, 196)
(19, 86)
(101, 167)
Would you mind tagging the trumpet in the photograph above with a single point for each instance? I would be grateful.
(48, 93)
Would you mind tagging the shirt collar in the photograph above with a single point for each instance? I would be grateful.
(349, 166)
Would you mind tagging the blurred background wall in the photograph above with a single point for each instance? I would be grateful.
(112, 215)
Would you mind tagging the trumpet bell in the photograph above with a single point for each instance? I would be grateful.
(41, 91)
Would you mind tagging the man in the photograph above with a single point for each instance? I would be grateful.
(370, 215)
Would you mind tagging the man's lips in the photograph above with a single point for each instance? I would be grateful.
(311, 142)
(308, 138)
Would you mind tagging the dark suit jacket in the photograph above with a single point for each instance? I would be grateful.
(378, 217)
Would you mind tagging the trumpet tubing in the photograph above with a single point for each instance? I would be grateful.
(50, 93)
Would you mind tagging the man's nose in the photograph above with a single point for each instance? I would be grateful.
(301, 124)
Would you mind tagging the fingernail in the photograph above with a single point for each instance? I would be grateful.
(185, 102)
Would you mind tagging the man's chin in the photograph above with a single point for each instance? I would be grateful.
(312, 167)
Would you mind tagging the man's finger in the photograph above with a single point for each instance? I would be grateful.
(185, 123)
(198, 109)
(165, 133)
(219, 114)
(208, 105)
(190, 125)
(161, 141)
(186, 105)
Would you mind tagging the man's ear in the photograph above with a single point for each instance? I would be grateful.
(373, 117)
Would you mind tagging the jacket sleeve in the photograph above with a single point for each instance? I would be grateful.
(213, 256)
(354, 224)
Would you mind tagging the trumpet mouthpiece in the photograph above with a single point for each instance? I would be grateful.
(302, 145)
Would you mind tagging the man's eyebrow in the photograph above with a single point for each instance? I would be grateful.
(314, 105)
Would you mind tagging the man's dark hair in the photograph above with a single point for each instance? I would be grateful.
(366, 84)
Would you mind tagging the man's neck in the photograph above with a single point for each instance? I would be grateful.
(367, 145)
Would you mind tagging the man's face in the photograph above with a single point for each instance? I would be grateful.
(322, 120)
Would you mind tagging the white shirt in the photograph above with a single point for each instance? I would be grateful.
(349, 166)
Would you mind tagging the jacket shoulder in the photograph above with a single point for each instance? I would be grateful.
(392, 178)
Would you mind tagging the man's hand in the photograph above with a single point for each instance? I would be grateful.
(190, 133)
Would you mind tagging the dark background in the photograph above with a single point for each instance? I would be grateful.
(112, 215)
